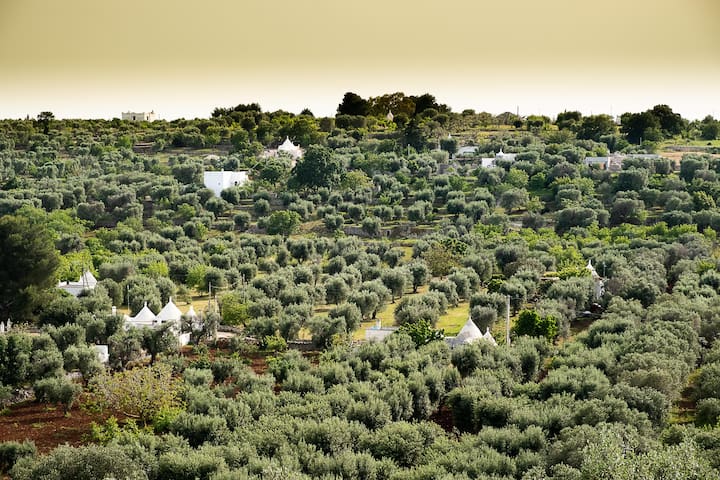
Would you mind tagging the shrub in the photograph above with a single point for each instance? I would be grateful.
(11, 452)
(57, 390)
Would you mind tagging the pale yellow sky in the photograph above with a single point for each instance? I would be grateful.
(90, 58)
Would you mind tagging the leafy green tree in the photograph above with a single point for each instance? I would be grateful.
(394, 279)
(420, 273)
(530, 323)
(28, 262)
(709, 128)
(336, 290)
(353, 104)
(638, 126)
(57, 390)
(140, 393)
(283, 222)
(568, 120)
(82, 463)
(440, 259)
(514, 198)
(319, 167)
(159, 340)
(44, 119)
(234, 309)
(595, 126)
(11, 452)
(421, 332)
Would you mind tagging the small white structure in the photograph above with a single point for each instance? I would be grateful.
(219, 181)
(390, 117)
(144, 318)
(2, 328)
(599, 283)
(505, 156)
(470, 333)
(150, 116)
(290, 148)
(488, 336)
(170, 313)
(103, 353)
(467, 151)
(87, 281)
(614, 161)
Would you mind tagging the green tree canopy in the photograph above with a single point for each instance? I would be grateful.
(28, 262)
(318, 168)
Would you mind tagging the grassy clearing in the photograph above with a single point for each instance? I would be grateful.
(454, 319)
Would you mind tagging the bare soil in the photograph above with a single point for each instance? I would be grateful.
(46, 425)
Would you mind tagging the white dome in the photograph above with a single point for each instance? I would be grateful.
(468, 334)
(144, 316)
(170, 312)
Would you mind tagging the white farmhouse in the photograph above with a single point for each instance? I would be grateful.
(219, 181)
(505, 156)
(150, 116)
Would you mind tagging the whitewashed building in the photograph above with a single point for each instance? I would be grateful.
(219, 181)
(150, 116)
(170, 313)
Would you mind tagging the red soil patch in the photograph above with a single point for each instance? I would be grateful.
(46, 425)
(258, 364)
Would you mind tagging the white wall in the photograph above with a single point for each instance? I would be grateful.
(219, 181)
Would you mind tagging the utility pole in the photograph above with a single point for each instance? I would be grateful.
(507, 320)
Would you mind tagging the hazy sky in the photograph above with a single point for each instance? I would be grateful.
(97, 58)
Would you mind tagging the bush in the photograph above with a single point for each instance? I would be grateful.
(91, 462)
(11, 452)
(57, 390)
(708, 412)
(198, 429)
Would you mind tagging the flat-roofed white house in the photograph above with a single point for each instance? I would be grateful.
(505, 156)
(467, 151)
(219, 181)
(150, 116)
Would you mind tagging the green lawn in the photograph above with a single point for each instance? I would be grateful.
(454, 319)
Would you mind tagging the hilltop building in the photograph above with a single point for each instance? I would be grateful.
(150, 116)
(614, 161)
(290, 148)
(287, 148)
